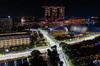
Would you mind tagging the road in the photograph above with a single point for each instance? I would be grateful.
(43, 49)
(87, 38)
(15, 55)
(62, 57)
(22, 54)
(52, 43)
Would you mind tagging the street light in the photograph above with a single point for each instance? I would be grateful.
(8, 16)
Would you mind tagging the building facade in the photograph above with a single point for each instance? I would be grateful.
(14, 39)
(78, 20)
(6, 24)
(23, 19)
(52, 13)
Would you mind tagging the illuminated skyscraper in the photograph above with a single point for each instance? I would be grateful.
(53, 13)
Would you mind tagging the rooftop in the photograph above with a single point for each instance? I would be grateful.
(76, 18)
(16, 33)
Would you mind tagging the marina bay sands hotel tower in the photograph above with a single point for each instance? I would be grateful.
(53, 13)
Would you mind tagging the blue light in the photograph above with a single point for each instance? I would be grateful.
(51, 29)
(62, 54)
(98, 43)
(8, 16)
(93, 22)
(88, 24)
(88, 19)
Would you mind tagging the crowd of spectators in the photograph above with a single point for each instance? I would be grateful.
(83, 53)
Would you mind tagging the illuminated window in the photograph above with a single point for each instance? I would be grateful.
(22, 40)
(11, 41)
(4, 45)
(3, 42)
(8, 43)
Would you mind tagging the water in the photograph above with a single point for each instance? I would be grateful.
(94, 27)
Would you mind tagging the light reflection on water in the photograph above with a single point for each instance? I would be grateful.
(94, 27)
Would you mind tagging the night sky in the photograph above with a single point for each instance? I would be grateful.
(78, 8)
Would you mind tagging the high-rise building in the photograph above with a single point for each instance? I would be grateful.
(53, 13)
(6, 24)
(23, 20)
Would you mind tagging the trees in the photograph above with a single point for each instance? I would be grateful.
(49, 52)
(97, 38)
(41, 35)
(43, 40)
(2, 50)
(82, 53)
(54, 56)
(24, 64)
(62, 44)
(61, 63)
(58, 38)
(34, 39)
(35, 53)
(20, 47)
(54, 47)
(31, 45)
(38, 42)
(37, 60)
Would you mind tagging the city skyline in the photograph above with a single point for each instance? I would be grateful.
(49, 33)
(33, 7)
